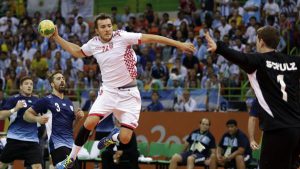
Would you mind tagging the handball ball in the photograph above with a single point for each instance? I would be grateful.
(46, 28)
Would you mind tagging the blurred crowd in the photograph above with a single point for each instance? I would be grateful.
(25, 52)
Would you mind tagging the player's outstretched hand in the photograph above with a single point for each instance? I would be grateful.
(79, 114)
(211, 44)
(55, 34)
(187, 48)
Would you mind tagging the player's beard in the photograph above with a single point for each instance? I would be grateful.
(61, 88)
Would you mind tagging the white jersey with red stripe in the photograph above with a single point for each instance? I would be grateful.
(116, 58)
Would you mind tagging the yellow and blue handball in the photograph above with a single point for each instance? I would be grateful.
(46, 28)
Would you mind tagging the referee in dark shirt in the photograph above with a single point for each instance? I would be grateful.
(275, 79)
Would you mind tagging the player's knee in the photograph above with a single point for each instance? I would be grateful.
(91, 122)
(239, 158)
(125, 139)
(176, 158)
(191, 159)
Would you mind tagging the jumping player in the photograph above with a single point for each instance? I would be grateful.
(119, 93)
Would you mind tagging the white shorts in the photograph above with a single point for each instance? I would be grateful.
(124, 103)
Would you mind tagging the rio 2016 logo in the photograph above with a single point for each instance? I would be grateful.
(162, 138)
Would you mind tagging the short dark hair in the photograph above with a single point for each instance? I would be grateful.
(231, 122)
(101, 17)
(270, 35)
(205, 119)
(25, 78)
(51, 75)
(155, 92)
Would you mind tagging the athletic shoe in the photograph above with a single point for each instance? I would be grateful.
(106, 141)
(66, 163)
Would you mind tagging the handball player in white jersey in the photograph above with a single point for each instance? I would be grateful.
(119, 92)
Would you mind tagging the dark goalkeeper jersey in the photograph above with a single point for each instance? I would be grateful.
(275, 80)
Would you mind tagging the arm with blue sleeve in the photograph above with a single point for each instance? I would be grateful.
(11, 106)
(31, 114)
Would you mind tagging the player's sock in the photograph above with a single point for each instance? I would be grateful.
(74, 152)
(81, 138)
(115, 137)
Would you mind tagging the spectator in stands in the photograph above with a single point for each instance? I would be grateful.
(251, 31)
(159, 73)
(185, 103)
(116, 18)
(29, 51)
(11, 81)
(284, 22)
(123, 156)
(224, 28)
(39, 64)
(235, 6)
(88, 103)
(206, 8)
(239, 46)
(155, 105)
(4, 21)
(212, 82)
(164, 20)
(234, 148)
(190, 62)
(237, 18)
(127, 14)
(289, 8)
(180, 18)
(187, 6)
(216, 20)
(199, 147)
(252, 8)
(174, 78)
(192, 81)
(3, 63)
(271, 8)
(209, 63)
(142, 23)
(183, 28)
(201, 50)
(224, 7)
(182, 71)
(146, 75)
(149, 14)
